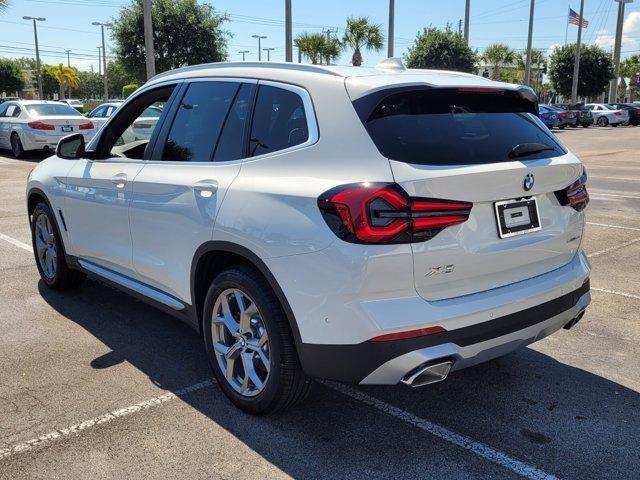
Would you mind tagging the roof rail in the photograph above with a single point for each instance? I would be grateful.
(274, 65)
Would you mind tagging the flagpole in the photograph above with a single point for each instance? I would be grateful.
(576, 64)
(566, 32)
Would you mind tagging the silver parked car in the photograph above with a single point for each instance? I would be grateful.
(38, 125)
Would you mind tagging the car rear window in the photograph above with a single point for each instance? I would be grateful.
(46, 109)
(456, 126)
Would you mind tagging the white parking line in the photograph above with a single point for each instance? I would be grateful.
(615, 292)
(613, 226)
(15, 242)
(480, 449)
(106, 418)
(600, 193)
(613, 247)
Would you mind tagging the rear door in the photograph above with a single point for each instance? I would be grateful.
(178, 193)
(458, 144)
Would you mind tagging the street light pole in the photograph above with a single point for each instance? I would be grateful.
(288, 31)
(243, 52)
(104, 59)
(260, 38)
(613, 85)
(576, 64)
(148, 39)
(68, 65)
(392, 7)
(527, 67)
(35, 34)
(268, 50)
(467, 9)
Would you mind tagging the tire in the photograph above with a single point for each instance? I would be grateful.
(49, 251)
(561, 127)
(615, 124)
(602, 121)
(16, 146)
(277, 387)
(586, 125)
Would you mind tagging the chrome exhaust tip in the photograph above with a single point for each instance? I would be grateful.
(431, 372)
(574, 320)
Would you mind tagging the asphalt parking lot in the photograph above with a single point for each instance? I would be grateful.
(94, 384)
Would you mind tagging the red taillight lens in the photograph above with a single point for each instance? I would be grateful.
(38, 125)
(421, 332)
(86, 126)
(546, 116)
(575, 194)
(617, 113)
(384, 213)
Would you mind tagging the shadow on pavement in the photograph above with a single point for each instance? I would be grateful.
(561, 419)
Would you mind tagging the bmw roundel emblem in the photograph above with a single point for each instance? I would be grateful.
(528, 182)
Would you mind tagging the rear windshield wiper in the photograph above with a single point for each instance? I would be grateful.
(524, 149)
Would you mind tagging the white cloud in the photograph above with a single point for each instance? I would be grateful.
(632, 24)
(551, 49)
(631, 28)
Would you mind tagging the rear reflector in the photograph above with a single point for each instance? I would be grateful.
(141, 125)
(384, 213)
(38, 125)
(421, 332)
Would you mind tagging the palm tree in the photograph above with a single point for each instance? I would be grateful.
(538, 62)
(497, 56)
(630, 68)
(66, 77)
(4, 4)
(360, 34)
(316, 47)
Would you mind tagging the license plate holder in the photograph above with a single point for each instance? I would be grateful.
(517, 216)
(66, 128)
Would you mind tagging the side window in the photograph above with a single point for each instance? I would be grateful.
(198, 121)
(279, 121)
(16, 112)
(98, 112)
(109, 111)
(10, 111)
(3, 109)
(129, 132)
(231, 142)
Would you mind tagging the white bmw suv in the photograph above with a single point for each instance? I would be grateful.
(369, 225)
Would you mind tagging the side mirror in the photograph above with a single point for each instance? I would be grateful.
(71, 147)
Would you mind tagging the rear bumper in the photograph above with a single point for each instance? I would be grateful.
(38, 141)
(388, 362)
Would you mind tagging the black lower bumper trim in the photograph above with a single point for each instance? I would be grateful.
(352, 363)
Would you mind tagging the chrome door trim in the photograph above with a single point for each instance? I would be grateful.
(131, 284)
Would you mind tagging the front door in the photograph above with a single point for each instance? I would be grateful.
(99, 189)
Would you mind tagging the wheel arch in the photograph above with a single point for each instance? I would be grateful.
(214, 256)
(34, 196)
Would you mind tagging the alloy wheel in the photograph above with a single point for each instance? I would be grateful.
(240, 342)
(46, 246)
(16, 148)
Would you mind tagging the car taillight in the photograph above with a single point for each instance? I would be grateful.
(141, 125)
(38, 125)
(86, 126)
(546, 116)
(575, 194)
(384, 213)
(618, 113)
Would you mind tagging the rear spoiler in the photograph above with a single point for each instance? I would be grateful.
(524, 98)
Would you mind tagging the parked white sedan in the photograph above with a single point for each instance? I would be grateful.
(141, 129)
(605, 114)
(38, 125)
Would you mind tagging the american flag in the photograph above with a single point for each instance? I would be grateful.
(575, 18)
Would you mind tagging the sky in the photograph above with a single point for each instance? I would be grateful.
(68, 24)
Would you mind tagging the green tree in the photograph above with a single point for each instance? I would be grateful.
(90, 85)
(128, 90)
(118, 76)
(4, 4)
(316, 47)
(49, 83)
(12, 77)
(440, 49)
(359, 35)
(65, 77)
(596, 69)
(630, 68)
(497, 56)
(185, 32)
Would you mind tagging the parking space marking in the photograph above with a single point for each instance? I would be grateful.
(105, 418)
(613, 226)
(613, 247)
(445, 434)
(614, 195)
(615, 292)
(15, 242)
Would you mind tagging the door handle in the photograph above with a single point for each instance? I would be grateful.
(206, 188)
(119, 180)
